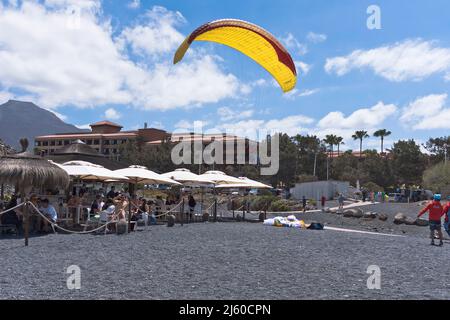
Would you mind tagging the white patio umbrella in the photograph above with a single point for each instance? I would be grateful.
(139, 174)
(246, 183)
(218, 177)
(83, 170)
(186, 177)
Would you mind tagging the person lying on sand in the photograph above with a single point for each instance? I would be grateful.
(436, 211)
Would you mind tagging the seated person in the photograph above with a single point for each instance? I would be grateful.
(11, 217)
(49, 212)
(97, 205)
(108, 212)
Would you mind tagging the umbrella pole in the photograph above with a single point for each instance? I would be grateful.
(131, 189)
(26, 220)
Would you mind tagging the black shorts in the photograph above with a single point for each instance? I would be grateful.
(435, 225)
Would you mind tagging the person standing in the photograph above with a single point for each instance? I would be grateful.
(323, 201)
(446, 213)
(436, 211)
(304, 203)
(192, 203)
(341, 202)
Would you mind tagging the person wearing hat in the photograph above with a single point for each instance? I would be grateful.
(436, 211)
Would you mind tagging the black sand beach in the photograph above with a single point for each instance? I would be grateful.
(225, 261)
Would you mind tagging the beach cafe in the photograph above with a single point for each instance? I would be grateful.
(82, 197)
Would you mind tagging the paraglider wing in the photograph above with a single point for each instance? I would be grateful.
(251, 40)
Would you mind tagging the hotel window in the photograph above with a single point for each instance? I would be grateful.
(106, 142)
(37, 144)
(114, 151)
(89, 142)
(60, 143)
(96, 141)
(124, 141)
(45, 143)
(53, 143)
(114, 142)
(66, 142)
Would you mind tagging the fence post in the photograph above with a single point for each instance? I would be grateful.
(243, 211)
(215, 210)
(232, 207)
(182, 212)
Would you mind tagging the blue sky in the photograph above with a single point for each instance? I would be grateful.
(89, 60)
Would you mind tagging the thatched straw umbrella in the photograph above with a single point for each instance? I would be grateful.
(25, 171)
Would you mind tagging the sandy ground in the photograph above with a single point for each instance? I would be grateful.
(227, 261)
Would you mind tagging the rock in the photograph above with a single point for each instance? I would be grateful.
(333, 211)
(370, 215)
(383, 217)
(122, 227)
(399, 218)
(422, 223)
(205, 217)
(327, 210)
(410, 221)
(238, 217)
(170, 220)
(357, 213)
(348, 213)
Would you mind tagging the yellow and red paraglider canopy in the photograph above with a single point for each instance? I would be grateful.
(251, 40)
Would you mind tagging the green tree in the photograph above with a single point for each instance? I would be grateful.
(438, 147)
(360, 135)
(339, 141)
(408, 162)
(437, 178)
(382, 133)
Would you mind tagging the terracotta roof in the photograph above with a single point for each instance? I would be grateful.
(88, 135)
(106, 123)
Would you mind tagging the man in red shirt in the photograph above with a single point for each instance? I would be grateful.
(436, 211)
(447, 212)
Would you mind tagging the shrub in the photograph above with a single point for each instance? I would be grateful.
(279, 206)
(372, 187)
(437, 178)
(262, 202)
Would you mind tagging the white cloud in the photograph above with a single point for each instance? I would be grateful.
(112, 114)
(316, 37)
(5, 96)
(83, 126)
(295, 93)
(365, 118)
(426, 113)
(303, 67)
(257, 128)
(57, 65)
(408, 60)
(226, 114)
(157, 36)
(291, 42)
(59, 115)
(186, 125)
(134, 4)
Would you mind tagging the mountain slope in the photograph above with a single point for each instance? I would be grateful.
(20, 119)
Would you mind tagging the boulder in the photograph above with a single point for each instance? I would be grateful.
(238, 217)
(399, 218)
(333, 211)
(410, 221)
(205, 217)
(170, 220)
(422, 223)
(348, 213)
(383, 217)
(370, 215)
(327, 210)
(357, 213)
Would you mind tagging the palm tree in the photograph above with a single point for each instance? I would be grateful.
(360, 135)
(339, 141)
(331, 140)
(381, 134)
